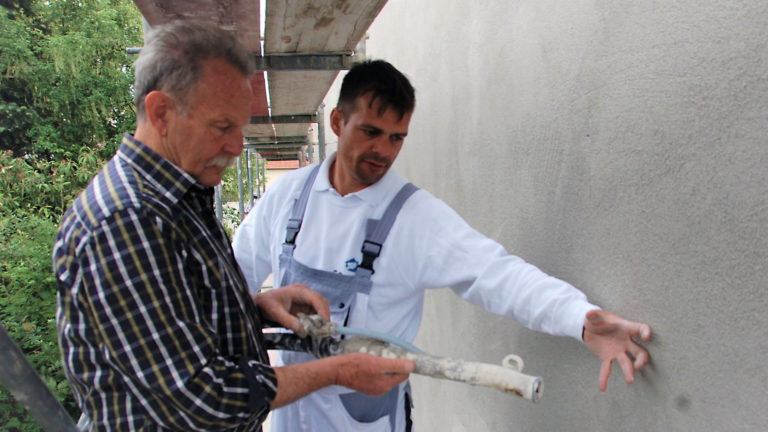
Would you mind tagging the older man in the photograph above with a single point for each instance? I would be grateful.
(157, 328)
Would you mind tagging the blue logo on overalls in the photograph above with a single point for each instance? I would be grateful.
(351, 265)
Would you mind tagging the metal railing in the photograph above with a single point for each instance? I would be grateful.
(22, 380)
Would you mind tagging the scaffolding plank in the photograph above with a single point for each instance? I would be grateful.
(292, 27)
(320, 26)
(298, 91)
(259, 130)
(300, 26)
(238, 16)
(292, 130)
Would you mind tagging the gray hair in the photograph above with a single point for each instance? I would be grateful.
(173, 56)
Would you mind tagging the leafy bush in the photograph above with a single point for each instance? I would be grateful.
(42, 187)
(33, 196)
(27, 309)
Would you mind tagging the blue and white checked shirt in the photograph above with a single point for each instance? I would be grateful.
(156, 326)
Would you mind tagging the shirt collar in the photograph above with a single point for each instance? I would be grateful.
(170, 180)
(371, 194)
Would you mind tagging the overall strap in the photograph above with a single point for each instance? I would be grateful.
(378, 230)
(297, 214)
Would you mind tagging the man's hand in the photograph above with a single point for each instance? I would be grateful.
(372, 375)
(281, 305)
(610, 337)
(365, 373)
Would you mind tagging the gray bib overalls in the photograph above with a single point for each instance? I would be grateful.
(341, 290)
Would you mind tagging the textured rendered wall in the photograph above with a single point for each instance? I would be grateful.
(619, 145)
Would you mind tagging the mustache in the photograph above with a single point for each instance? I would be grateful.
(222, 161)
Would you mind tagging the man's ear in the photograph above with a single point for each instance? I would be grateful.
(158, 106)
(337, 121)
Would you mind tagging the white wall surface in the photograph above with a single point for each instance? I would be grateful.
(621, 146)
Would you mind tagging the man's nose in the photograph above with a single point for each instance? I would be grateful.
(234, 144)
(381, 144)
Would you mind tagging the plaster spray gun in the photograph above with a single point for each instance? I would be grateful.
(320, 338)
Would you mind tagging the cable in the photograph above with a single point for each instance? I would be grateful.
(350, 331)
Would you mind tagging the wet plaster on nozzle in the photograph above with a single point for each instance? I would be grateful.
(507, 377)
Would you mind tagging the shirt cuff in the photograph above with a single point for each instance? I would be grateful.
(576, 317)
(262, 383)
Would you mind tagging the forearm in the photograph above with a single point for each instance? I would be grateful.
(296, 381)
(481, 271)
(365, 373)
(509, 286)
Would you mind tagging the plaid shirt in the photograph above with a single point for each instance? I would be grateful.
(156, 326)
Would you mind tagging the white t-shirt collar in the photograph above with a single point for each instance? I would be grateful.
(372, 194)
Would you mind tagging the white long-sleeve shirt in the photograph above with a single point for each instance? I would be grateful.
(429, 246)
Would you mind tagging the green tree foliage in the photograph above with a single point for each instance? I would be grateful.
(64, 75)
(65, 100)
